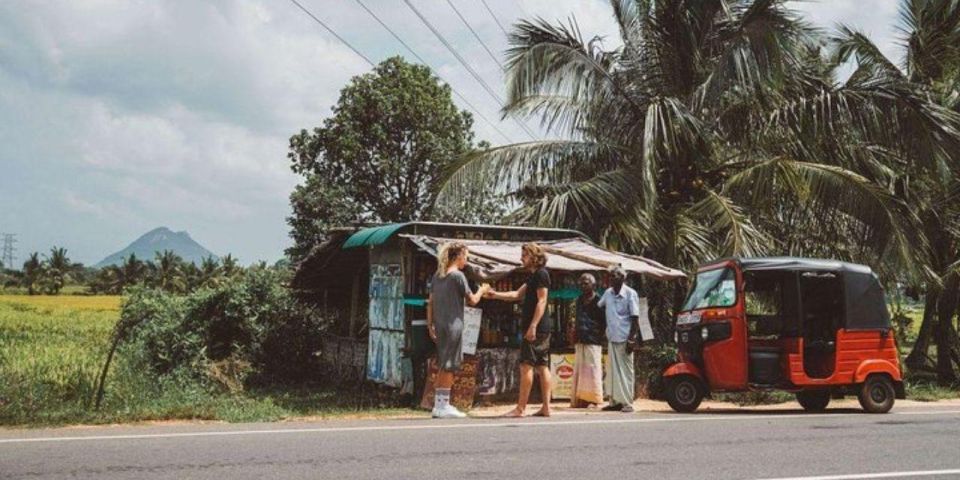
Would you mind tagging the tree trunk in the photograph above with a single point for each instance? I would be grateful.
(946, 308)
(102, 380)
(917, 360)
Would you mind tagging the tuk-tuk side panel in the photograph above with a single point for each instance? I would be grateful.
(877, 366)
(858, 354)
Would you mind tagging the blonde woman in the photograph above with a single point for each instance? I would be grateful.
(448, 293)
(535, 325)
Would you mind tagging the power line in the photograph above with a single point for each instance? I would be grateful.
(332, 32)
(475, 34)
(421, 60)
(495, 19)
(463, 62)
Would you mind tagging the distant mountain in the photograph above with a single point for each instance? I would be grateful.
(158, 240)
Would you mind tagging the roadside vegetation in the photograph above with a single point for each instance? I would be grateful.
(53, 348)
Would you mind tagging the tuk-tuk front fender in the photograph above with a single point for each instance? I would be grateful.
(868, 367)
(683, 368)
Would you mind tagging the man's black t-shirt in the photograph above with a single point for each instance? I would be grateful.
(539, 279)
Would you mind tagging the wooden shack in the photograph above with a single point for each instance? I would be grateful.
(377, 279)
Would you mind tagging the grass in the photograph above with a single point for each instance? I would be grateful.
(52, 349)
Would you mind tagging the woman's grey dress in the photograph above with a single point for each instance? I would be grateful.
(448, 295)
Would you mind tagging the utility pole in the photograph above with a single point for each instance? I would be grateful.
(6, 255)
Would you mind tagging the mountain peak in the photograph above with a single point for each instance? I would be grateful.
(156, 241)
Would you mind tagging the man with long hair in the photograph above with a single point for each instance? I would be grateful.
(536, 326)
(449, 291)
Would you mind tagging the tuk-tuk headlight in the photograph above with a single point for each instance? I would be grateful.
(704, 334)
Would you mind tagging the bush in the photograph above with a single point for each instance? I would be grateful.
(249, 330)
(653, 361)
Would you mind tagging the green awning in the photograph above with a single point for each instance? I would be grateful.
(564, 293)
(373, 235)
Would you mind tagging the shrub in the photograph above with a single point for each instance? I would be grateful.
(248, 330)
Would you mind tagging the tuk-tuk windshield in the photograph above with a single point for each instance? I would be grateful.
(712, 288)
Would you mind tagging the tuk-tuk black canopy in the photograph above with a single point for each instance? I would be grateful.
(865, 306)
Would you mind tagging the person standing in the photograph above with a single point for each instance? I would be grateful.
(535, 325)
(622, 311)
(587, 388)
(449, 291)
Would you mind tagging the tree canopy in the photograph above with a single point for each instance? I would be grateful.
(379, 156)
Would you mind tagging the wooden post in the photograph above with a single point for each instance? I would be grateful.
(354, 304)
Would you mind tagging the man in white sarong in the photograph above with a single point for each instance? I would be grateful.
(622, 307)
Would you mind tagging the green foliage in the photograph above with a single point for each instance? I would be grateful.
(249, 325)
(378, 158)
(54, 346)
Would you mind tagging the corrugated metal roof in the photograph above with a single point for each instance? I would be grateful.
(495, 258)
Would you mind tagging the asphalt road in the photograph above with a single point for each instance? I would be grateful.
(737, 444)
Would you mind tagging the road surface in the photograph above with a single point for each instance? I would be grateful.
(735, 444)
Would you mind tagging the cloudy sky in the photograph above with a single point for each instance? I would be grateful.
(118, 116)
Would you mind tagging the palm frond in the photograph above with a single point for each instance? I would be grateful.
(740, 236)
(890, 228)
(505, 169)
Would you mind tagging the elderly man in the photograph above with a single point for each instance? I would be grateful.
(588, 348)
(622, 307)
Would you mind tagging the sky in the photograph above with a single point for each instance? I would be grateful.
(119, 116)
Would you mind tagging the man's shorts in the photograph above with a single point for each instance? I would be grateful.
(537, 352)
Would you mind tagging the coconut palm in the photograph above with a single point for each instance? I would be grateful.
(931, 45)
(229, 267)
(209, 273)
(714, 122)
(58, 270)
(32, 273)
(166, 272)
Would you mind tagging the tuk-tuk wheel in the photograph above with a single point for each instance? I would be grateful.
(814, 400)
(684, 393)
(877, 394)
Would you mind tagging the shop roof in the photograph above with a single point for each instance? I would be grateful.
(496, 258)
(336, 259)
(377, 235)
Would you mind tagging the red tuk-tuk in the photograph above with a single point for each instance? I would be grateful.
(818, 328)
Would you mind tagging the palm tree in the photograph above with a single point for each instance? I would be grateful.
(718, 128)
(210, 274)
(32, 273)
(166, 272)
(132, 271)
(59, 270)
(932, 69)
(229, 267)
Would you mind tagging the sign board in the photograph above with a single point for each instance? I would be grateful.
(646, 330)
(561, 368)
(471, 329)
